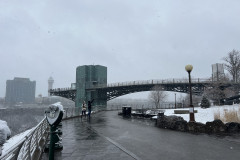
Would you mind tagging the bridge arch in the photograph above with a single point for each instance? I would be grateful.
(117, 91)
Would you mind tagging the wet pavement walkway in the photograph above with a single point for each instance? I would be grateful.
(81, 142)
(109, 136)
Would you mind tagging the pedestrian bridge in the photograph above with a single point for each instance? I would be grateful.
(113, 90)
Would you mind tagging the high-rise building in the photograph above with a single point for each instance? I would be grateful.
(217, 72)
(20, 90)
(50, 84)
(88, 76)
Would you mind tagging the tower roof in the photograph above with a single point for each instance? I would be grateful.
(50, 78)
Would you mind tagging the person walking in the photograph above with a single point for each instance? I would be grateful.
(84, 108)
(90, 108)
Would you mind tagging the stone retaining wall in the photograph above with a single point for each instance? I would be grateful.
(179, 124)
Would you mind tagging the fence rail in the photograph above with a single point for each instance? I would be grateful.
(32, 145)
(148, 107)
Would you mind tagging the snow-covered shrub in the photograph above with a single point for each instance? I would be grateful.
(4, 132)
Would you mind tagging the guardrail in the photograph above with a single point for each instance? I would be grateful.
(32, 145)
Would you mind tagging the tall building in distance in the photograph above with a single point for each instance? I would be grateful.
(50, 84)
(20, 90)
(88, 76)
(218, 72)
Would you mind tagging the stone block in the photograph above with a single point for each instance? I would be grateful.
(233, 127)
(196, 127)
(216, 126)
(181, 126)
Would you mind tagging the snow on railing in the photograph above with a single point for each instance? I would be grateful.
(32, 145)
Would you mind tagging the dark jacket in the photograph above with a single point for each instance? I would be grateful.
(90, 104)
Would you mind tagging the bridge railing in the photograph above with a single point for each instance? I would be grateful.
(32, 145)
(61, 89)
(150, 82)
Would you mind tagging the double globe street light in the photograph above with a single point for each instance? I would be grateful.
(189, 68)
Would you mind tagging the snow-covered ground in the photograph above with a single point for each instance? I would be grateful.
(204, 115)
(13, 141)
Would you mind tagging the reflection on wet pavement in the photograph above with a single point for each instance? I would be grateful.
(80, 142)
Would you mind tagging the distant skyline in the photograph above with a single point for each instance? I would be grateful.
(136, 40)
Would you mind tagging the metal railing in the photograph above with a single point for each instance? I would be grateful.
(151, 82)
(71, 112)
(146, 107)
(32, 145)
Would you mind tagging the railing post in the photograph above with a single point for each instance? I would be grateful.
(38, 138)
(66, 112)
(29, 146)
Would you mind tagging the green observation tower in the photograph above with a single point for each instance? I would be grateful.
(88, 77)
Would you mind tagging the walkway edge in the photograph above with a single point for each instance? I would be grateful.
(116, 144)
(123, 149)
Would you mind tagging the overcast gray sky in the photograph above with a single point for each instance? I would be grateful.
(135, 39)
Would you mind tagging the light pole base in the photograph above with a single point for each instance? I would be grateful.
(192, 118)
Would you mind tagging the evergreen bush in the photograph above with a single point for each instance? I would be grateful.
(205, 102)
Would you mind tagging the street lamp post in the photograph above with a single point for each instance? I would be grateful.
(189, 68)
(175, 102)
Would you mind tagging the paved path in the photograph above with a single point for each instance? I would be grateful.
(108, 136)
(82, 143)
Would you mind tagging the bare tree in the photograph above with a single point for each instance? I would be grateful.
(195, 99)
(233, 64)
(217, 91)
(229, 92)
(157, 96)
